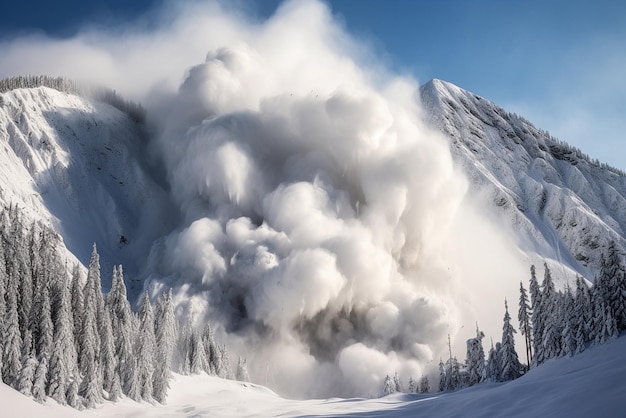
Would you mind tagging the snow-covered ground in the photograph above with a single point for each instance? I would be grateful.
(590, 384)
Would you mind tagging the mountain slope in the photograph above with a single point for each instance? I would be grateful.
(78, 164)
(563, 206)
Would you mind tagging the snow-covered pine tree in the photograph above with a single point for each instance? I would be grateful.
(537, 318)
(40, 380)
(89, 339)
(615, 275)
(43, 344)
(122, 325)
(225, 371)
(454, 380)
(388, 386)
(606, 325)
(411, 387)
(442, 376)
(510, 365)
(134, 388)
(183, 348)
(424, 385)
(115, 393)
(24, 380)
(12, 347)
(3, 305)
(523, 315)
(25, 295)
(165, 329)
(475, 358)
(71, 395)
(108, 359)
(396, 382)
(146, 348)
(63, 358)
(242, 371)
(551, 338)
(197, 354)
(212, 351)
(77, 297)
(568, 336)
(583, 314)
(93, 293)
(493, 369)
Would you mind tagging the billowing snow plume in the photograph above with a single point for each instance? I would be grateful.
(324, 228)
(320, 214)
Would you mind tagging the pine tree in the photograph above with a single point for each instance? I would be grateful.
(107, 354)
(122, 324)
(71, 395)
(146, 348)
(197, 354)
(493, 369)
(183, 348)
(77, 303)
(134, 388)
(583, 314)
(537, 318)
(510, 365)
(242, 371)
(523, 315)
(212, 351)
(442, 376)
(116, 388)
(24, 381)
(44, 342)
(615, 275)
(475, 360)
(396, 382)
(454, 380)
(165, 330)
(568, 336)
(424, 385)
(551, 338)
(606, 325)
(411, 387)
(40, 380)
(11, 350)
(89, 339)
(3, 306)
(388, 386)
(63, 358)
(225, 371)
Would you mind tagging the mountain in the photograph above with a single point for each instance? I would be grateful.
(83, 166)
(563, 205)
(79, 165)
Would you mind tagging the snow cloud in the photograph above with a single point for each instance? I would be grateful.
(324, 229)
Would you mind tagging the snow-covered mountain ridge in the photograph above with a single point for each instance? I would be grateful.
(77, 164)
(562, 205)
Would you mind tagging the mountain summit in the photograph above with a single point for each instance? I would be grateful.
(563, 205)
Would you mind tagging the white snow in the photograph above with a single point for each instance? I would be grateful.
(564, 207)
(590, 384)
(78, 165)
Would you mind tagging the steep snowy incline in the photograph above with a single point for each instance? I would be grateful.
(78, 164)
(564, 206)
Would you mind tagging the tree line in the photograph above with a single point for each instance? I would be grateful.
(65, 85)
(553, 324)
(61, 337)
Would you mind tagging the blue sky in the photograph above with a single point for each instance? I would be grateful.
(559, 63)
